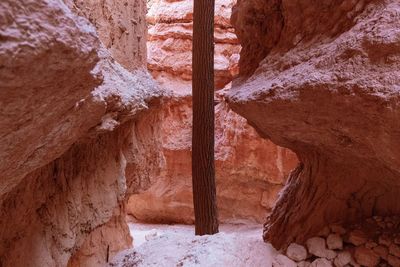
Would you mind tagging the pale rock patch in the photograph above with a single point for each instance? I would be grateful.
(296, 252)
(342, 259)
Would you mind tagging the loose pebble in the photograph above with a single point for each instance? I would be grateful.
(296, 252)
(374, 242)
(342, 259)
(357, 237)
(334, 241)
(366, 257)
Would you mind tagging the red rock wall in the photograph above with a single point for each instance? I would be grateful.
(330, 88)
(250, 171)
(69, 115)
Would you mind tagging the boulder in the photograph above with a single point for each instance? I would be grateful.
(357, 237)
(317, 247)
(334, 241)
(296, 252)
(366, 257)
(382, 251)
(342, 259)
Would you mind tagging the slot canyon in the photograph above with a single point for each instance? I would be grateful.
(96, 133)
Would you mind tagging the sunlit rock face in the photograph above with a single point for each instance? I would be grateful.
(70, 122)
(170, 42)
(250, 171)
(121, 27)
(324, 82)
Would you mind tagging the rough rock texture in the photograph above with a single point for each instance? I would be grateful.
(250, 171)
(170, 41)
(121, 26)
(68, 115)
(350, 251)
(328, 89)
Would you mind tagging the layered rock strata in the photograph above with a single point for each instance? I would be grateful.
(328, 90)
(170, 43)
(250, 171)
(70, 121)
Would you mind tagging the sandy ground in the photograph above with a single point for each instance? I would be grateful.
(176, 245)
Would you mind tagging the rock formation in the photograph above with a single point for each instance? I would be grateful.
(373, 242)
(170, 42)
(328, 90)
(71, 119)
(121, 27)
(250, 171)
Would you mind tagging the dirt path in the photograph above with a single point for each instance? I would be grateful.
(176, 245)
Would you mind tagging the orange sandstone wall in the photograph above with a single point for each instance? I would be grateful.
(69, 113)
(250, 170)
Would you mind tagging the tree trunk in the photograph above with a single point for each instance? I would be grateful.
(203, 168)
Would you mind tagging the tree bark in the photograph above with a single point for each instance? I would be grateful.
(203, 167)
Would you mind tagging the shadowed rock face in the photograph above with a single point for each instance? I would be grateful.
(70, 122)
(332, 96)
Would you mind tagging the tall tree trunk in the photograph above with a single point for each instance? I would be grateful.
(203, 168)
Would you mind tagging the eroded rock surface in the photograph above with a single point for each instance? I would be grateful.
(170, 41)
(69, 115)
(250, 171)
(328, 90)
(121, 27)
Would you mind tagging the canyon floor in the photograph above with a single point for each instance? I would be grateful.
(176, 245)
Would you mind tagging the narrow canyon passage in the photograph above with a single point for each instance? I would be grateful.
(95, 133)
